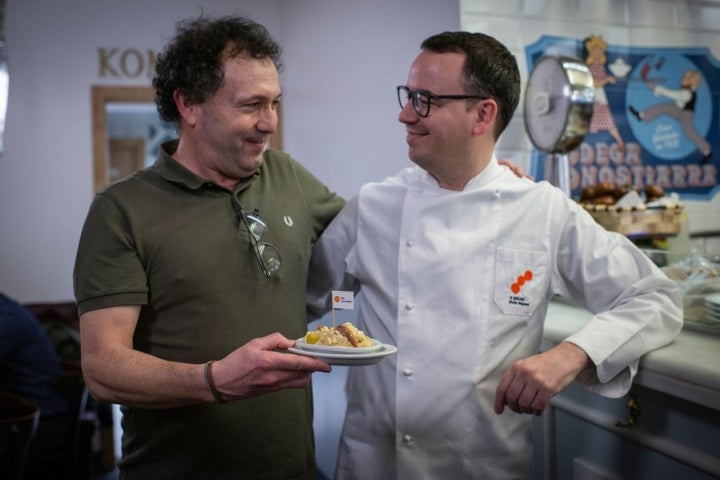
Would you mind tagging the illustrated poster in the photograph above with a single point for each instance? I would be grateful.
(655, 117)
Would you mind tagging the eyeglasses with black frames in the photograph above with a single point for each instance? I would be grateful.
(266, 254)
(422, 99)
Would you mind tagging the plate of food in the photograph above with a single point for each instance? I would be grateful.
(342, 345)
(345, 338)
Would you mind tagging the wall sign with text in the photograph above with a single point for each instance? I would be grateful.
(655, 116)
(127, 63)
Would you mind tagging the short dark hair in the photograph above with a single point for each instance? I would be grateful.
(192, 61)
(490, 69)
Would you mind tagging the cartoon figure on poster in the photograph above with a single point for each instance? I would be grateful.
(678, 105)
(594, 48)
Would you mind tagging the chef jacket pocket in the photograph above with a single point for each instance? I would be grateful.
(520, 281)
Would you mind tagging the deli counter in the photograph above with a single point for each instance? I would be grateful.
(667, 426)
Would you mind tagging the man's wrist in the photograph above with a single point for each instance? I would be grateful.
(210, 383)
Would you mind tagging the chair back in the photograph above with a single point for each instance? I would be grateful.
(81, 452)
(18, 424)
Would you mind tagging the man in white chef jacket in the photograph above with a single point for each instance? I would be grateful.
(457, 258)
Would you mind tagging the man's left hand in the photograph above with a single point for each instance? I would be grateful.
(530, 383)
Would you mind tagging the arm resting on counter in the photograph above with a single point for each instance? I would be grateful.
(686, 368)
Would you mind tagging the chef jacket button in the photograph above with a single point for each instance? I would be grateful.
(410, 243)
(409, 306)
(497, 193)
(407, 438)
(407, 372)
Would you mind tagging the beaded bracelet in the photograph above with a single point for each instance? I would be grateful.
(210, 382)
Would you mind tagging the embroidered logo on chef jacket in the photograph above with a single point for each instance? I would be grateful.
(519, 280)
(518, 284)
(516, 289)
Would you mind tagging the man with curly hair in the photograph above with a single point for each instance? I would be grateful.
(190, 274)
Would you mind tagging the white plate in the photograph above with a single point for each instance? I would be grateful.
(713, 299)
(349, 359)
(300, 343)
(712, 311)
(709, 307)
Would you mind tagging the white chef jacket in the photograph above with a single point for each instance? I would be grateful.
(460, 282)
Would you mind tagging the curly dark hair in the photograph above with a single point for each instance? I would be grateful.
(490, 69)
(192, 61)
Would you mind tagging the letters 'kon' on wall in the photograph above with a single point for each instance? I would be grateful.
(128, 63)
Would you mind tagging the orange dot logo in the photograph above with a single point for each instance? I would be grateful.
(336, 299)
(521, 280)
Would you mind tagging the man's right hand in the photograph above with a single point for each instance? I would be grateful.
(260, 367)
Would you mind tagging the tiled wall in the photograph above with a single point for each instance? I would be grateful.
(635, 23)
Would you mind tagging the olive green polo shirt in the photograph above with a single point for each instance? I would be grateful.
(173, 243)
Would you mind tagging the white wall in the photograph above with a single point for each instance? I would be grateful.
(343, 60)
(342, 66)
